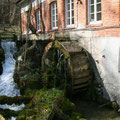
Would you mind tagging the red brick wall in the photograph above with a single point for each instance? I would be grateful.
(110, 19)
(61, 14)
(108, 26)
(23, 22)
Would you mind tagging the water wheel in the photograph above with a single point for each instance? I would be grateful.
(75, 69)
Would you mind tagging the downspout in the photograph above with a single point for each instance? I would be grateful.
(77, 13)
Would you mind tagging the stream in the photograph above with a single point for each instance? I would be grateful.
(7, 85)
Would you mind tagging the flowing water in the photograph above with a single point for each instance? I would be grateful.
(7, 85)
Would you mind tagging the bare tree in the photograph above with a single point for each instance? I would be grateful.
(9, 14)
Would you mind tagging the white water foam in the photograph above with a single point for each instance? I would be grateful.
(12, 107)
(7, 85)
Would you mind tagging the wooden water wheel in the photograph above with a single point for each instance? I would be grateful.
(77, 62)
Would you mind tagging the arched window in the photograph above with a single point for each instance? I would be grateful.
(69, 5)
(54, 15)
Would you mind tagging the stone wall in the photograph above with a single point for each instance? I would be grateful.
(105, 61)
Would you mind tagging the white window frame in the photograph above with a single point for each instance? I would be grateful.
(54, 20)
(66, 13)
(38, 20)
(95, 21)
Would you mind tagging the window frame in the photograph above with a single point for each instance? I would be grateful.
(95, 21)
(54, 17)
(71, 16)
(38, 20)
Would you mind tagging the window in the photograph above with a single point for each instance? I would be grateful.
(38, 20)
(69, 12)
(94, 10)
(54, 15)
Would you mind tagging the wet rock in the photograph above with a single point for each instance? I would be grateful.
(2, 57)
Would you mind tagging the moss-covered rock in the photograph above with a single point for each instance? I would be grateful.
(16, 100)
(41, 105)
(48, 104)
(67, 106)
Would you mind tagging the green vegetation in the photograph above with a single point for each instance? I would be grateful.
(49, 104)
(28, 71)
(16, 100)
(44, 94)
(57, 75)
(41, 106)
(8, 113)
(7, 36)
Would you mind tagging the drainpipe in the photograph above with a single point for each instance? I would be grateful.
(77, 12)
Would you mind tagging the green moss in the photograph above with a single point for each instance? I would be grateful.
(41, 105)
(16, 100)
(76, 116)
(6, 35)
(57, 77)
(67, 109)
(32, 81)
(115, 106)
(46, 102)
(67, 106)
(28, 74)
(8, 113)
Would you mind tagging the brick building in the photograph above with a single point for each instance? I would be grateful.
(101, 17)
(94, 23)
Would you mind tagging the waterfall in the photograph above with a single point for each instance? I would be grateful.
(7, 85)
